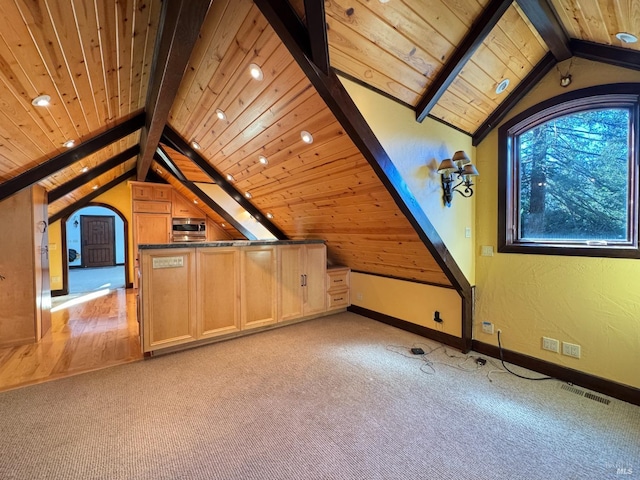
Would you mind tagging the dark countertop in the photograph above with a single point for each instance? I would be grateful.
(225, 243)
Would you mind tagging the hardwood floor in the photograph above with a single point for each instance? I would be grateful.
(98, 333)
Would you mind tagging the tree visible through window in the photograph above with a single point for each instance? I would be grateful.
(574, 173)
(568, 175)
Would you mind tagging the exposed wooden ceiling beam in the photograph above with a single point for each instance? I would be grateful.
(70, 157)
(92, 174)
(65, 212)
(541, 14)
(180, 22)
(345, 110)
(174, 140)
(539, 71)
(317, 26)
(618, 56)
(479, 31)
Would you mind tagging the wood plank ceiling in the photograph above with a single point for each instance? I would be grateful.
(321, 190)
(94, 60)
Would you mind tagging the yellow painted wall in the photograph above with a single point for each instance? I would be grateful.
(594, 302)
(55, 256)
(412, 302)
(118, 197)
(416, 149)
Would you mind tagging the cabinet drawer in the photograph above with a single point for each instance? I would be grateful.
(338, 300)
(337, 279)
(151, 207)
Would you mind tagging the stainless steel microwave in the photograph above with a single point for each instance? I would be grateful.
(188, 230)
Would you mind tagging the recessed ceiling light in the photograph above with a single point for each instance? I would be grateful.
(69, 143)
(502, 86)
(85, 169)
(256, 71)
(230, 178)
(95, 187)
(263, 160)
(269, 215)
(247, 194)
(306, 137)
(41, 101)
(159, 171)
(195, 145)
(223, 225)
(626, 37)
(220, 114)
(195, 201)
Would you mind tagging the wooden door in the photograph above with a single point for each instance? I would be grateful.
(98, 239)
(258, 286)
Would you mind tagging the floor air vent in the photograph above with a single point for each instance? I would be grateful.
(582, 393)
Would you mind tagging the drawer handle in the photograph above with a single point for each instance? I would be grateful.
(338, 299)
(338, 281)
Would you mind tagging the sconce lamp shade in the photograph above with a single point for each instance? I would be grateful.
(461, 158)
(446, 167)
(470, 170)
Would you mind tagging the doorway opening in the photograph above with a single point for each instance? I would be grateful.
(95, 240)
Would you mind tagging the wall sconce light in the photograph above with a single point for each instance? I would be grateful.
(459, 167)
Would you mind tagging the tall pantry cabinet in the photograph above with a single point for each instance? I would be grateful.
(25, 293)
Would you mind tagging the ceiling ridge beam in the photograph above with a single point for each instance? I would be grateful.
(346, 112)
(181, 21)
(545, 20)
(531, 80)
(65, 212)
(173, 139)
(465, 50)
(71, 156)
(609, 54)
(317, 27)
(94, 173)
(164, 159)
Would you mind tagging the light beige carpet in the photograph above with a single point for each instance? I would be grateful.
(332, 398)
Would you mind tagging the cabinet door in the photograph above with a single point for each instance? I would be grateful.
(152, 228)
(183, 208)
(315, 271)
(162, 193)
(141, 192)
(168, 297)
(291, 268)
(258, 286)
(218, 291)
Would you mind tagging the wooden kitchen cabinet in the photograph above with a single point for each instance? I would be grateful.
(168, 297)
(183, 208)
(218, 291)
(152, 228)
(258, 291)
(150, 191)
(338, 288)
(302, 274)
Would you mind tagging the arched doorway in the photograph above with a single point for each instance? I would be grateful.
(94, 239)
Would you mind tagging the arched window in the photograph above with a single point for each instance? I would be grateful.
(568, 175)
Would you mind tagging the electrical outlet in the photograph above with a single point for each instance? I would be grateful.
(571, 350)
(487, 327)
(359, 296)
(550, 344)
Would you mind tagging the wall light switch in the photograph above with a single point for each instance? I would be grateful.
(467, 232)
(486, 251)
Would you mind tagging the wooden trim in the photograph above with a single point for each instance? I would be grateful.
(609, 54)
(180, 24)
(163, 158)
(71, 156)
(464, 51)
(393, 277)
(317, 26)
(92, 174)
(429, 333)
(173, 139)
(65, 256)
(524, 87)
(59, 293)
(545, 20)
(613, 389)
(65, 212)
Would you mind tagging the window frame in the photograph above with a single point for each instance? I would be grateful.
(623, 95)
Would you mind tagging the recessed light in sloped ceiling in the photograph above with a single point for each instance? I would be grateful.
(502, 86)
(625, 37)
